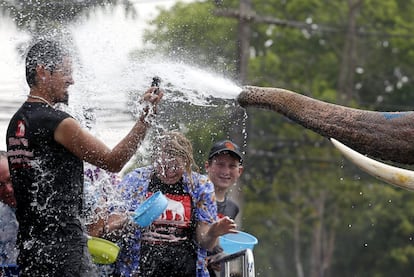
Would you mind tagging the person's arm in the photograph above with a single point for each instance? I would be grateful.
(208, 227)
(85, 146)
(120, 218)
(113, 222)
(207, 235)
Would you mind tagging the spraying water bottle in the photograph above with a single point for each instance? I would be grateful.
(156, 81)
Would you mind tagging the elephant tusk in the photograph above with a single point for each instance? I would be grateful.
(399, 177)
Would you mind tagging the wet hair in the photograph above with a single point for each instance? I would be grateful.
(176, 144)
(44, 52)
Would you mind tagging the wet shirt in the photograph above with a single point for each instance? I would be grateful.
(227, 208)
(224, 208)
(168, 245)
(48, 185)
(8, 235)
(188, 205)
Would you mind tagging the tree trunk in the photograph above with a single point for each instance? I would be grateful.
(349, 56)
(296, 244)
(317, 237)
(329, 246)
(243, 43)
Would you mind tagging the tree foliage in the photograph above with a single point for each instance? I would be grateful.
(313, 213)
(191, 33)
(44, 16)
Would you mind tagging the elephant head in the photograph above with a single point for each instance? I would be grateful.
(383, 135)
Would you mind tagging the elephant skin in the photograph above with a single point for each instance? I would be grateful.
(383, 135)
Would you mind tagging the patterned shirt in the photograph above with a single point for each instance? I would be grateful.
(8, 235)
(134, 188)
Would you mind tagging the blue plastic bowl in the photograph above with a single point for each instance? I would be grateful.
(232, 243)
(150, 209)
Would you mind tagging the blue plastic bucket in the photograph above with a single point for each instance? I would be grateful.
(232, 243)
(150, 209)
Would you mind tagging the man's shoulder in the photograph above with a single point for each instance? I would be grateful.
(37, 112)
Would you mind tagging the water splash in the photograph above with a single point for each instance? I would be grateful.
(194, 84)
(183, 82)
(112, 88)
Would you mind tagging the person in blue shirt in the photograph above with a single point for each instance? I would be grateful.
(176, 243)
(8, 222)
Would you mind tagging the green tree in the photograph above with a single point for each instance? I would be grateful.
(191, 33)
(314, 214)
(44, 17)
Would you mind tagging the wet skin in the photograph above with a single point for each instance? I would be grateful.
(6, 188)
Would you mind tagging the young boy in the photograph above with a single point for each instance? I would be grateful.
(224, 168)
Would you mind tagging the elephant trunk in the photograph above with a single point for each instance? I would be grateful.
(384, 135)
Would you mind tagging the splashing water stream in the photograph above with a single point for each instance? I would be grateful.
(110, 91)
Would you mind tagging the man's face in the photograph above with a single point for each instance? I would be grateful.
(6, 188)
(60, 80)
(224, 170)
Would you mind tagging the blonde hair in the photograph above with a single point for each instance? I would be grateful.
(176, 144)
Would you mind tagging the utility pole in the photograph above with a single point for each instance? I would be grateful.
(245, 16)
(243, 40)
(349, 55)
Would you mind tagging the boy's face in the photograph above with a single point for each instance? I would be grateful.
(224, 170)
